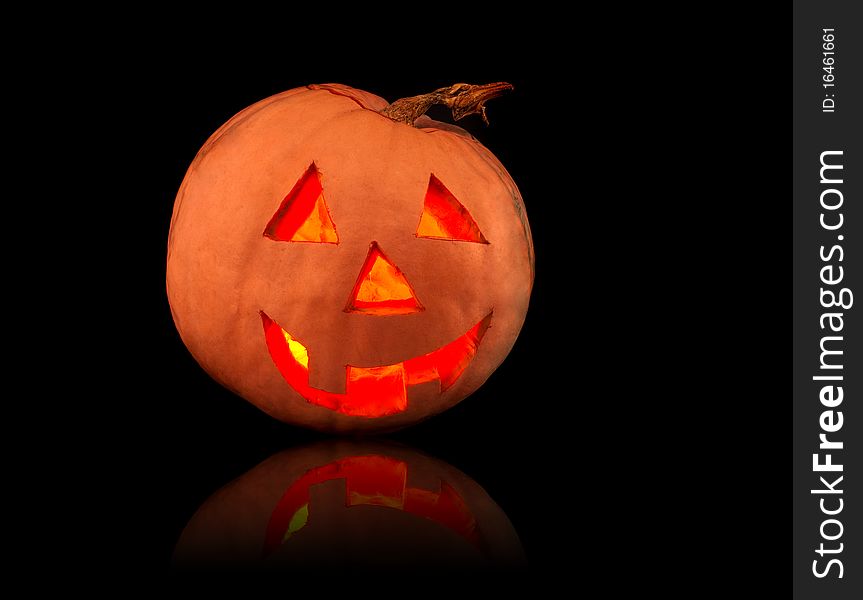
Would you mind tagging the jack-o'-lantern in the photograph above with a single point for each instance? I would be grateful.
(348, 264)
(344, 504)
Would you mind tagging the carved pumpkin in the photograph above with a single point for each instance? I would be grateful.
(350, 504)
(349, 265)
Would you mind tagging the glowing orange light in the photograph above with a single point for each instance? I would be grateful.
(445, 218)
(448, 362)
(381, 288)
(369, 480)
(376, 390)
(303, 215)
(373, 391)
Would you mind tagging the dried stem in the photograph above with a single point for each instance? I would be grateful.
(462, 98)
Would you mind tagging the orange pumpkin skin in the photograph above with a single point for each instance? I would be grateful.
(224, 276)
(368, 504)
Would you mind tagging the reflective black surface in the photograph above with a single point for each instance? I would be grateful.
(350, 504)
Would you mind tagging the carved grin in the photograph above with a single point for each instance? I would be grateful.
(373, 391)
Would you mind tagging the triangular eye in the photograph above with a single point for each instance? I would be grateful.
(445, 218)
(303, 215)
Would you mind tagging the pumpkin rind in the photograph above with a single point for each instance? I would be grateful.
(222, 271)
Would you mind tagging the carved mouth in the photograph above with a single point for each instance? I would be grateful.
(373, 391)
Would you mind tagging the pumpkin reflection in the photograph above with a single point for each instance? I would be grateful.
(351, 504)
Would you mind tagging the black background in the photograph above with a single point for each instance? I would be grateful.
(620, 434)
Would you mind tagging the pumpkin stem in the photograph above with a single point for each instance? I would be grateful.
(462, 98)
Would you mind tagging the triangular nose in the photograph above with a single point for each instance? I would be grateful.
(382, 288)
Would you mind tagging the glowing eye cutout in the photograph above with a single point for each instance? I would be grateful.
(303, 215)
(445, 218)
